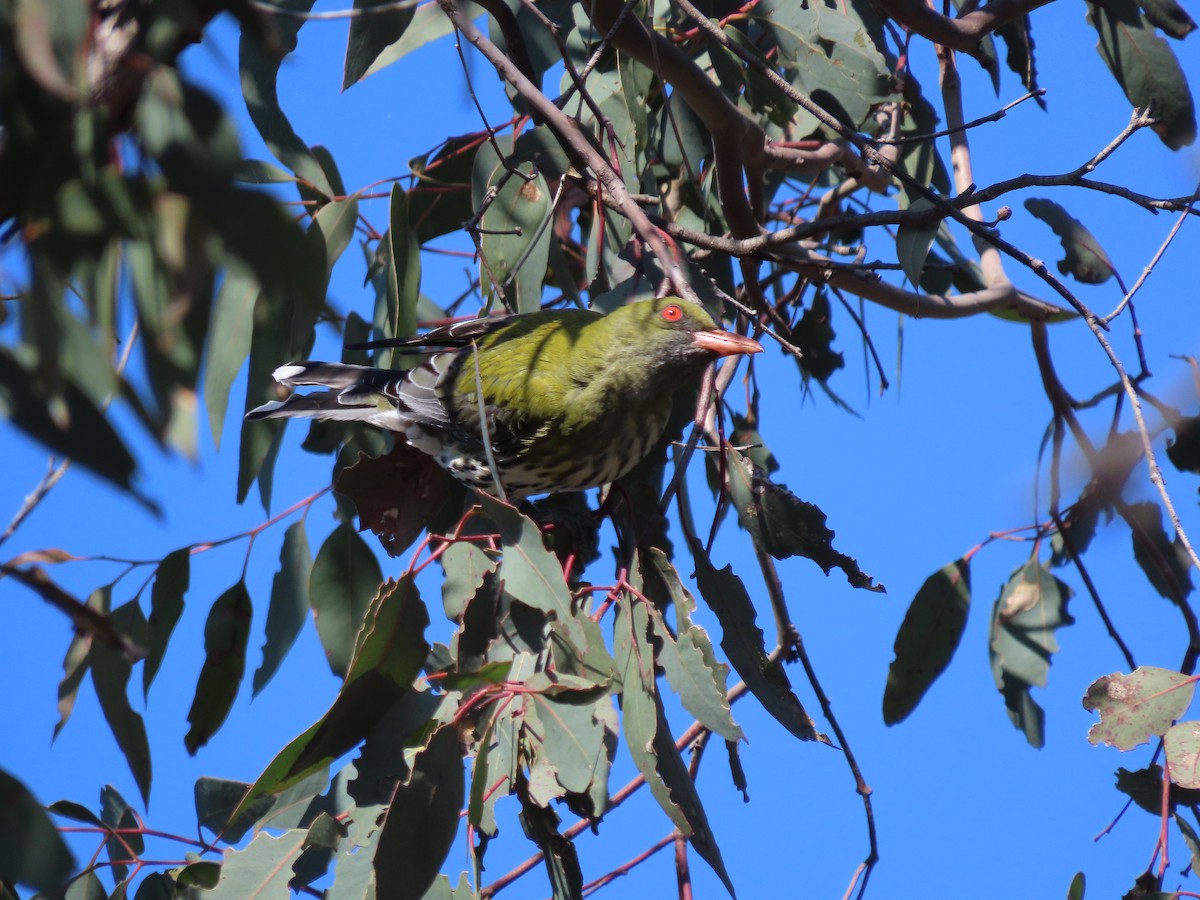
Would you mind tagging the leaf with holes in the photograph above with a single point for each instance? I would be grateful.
(1135, 707)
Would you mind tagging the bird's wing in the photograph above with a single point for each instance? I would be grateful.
(458, 334)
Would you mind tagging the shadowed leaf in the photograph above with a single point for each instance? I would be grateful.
(111, 671)
(371, 34)
(389, 653)
(289, 605)
(1146, 68)
(396, 495)
(784, 525)
(225, 635)
(171, 581)
(343, 579)
(32, 851)
(1184, 450)
(1086, 260)
(927, 638)
(742, 641)
(422, 820)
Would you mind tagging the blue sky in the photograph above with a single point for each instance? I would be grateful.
(947, 455)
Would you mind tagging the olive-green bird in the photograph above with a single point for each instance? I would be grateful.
(572, 399)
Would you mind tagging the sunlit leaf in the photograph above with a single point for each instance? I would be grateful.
(530, 572)
(1030, 608)
(1135, 707)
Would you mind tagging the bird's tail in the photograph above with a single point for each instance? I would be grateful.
(353, 395)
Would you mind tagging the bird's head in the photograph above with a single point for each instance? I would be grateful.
(674, 337)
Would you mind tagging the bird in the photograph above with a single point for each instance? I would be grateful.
(540, 402)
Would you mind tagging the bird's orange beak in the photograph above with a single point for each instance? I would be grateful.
(725, 343)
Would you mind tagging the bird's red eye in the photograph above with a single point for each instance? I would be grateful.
(672, 313)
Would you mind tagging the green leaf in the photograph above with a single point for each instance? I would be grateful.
(1182, 744)
(530, 572)
(687, 656)
(540, 825)
(171, 581)
(494, 770)
(1169, 16)
(389, 653)
(913, 241)
(1085, 259)
(514, 237)
(262, 869)
(1146, 68)
(1135, 707)
(217, 798)
(422, 820)
(404, 276)
(1017, 35)
(465, 565)
(742, 642)
(229, 338)
(86, 887)
(156, 886)
(574, 737)
(428, 24)
(289, 603)
(784, 525)
(333, 228)
(927, 638)
(1190, 838)
(1075, 891)
(32, 852)
(648, 736)
(78, 660)
(1031, 606)
(259, 72)
(257, 171)
(830, 54)
(439, 201)
(123, 849)
(372, 32)
(111, 671)
(81, 433)
(226, 632)
(344, 577)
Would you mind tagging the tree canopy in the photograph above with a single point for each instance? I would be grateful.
(807, 172)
